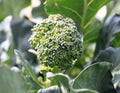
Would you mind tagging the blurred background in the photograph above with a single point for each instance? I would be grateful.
(17, 18)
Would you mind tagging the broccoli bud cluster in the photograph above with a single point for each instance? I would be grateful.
(57, 41)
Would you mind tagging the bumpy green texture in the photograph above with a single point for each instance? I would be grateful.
(57, 41)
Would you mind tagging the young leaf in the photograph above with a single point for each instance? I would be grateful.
(95, 77)
(52, 89)
(28, 69)
(11, 82)
(81, 11)
(84, 91)
(63, 82)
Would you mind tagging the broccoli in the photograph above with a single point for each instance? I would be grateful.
(57, 41)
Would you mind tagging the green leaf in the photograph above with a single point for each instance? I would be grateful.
(81, 11)
(111, 55)
(95, 77)
(92, 31)
(11, 82)
(28, 69)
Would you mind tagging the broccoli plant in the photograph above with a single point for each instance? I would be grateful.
(58, 45)
(57, 41)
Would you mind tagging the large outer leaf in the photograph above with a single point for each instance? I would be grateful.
(111, 55)
(29, 70)
(82, 11)
(109, 34)
(11, 82)
(96, 77)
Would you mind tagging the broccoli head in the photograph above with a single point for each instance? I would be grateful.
(57, 41)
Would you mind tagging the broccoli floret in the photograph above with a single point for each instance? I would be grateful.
(57, 41)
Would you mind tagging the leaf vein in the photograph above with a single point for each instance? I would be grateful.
(73, 11)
